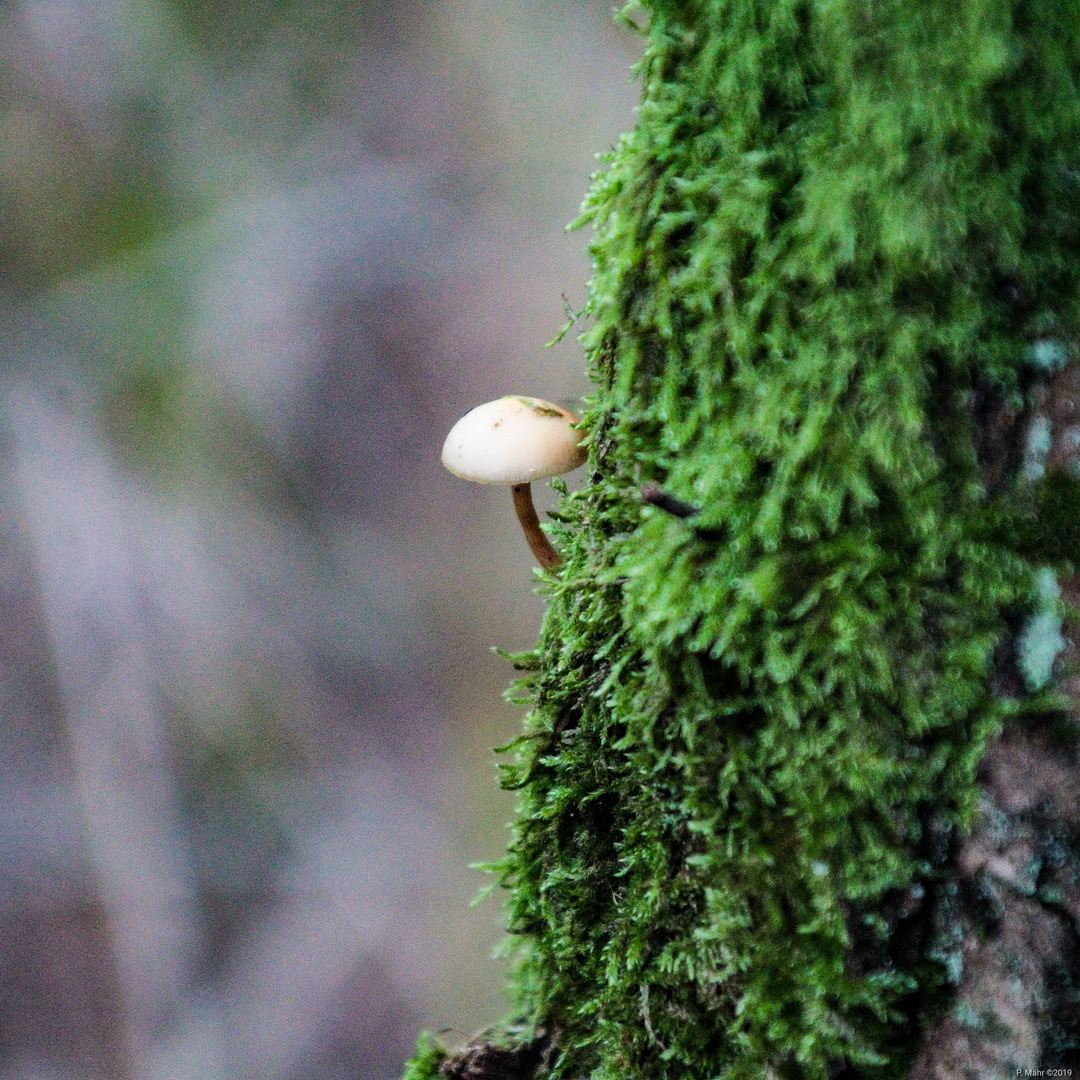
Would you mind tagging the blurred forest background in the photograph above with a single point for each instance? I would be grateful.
(255, 258)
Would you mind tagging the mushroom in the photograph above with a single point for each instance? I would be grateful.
(516, 440)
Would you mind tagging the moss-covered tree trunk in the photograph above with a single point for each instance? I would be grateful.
(799, 784)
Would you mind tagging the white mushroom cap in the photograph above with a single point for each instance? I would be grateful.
(513, 441)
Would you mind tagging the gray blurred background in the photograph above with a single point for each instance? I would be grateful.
(255, 258)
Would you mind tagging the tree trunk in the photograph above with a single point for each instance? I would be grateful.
(799, 784)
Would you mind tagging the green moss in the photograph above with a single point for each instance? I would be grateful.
(753, 731)
(430, 1054)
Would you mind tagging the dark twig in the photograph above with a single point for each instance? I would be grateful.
(657, 496)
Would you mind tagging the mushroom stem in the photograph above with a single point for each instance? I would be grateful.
(539, 544)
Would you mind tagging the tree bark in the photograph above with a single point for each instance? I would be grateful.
(799, 784)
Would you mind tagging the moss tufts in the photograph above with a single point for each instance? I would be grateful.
(430, 1055)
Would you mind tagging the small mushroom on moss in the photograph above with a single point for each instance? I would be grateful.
(516, 440)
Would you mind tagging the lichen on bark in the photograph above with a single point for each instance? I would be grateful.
(831, 261)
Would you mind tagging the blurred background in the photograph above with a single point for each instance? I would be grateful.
(255, 258)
